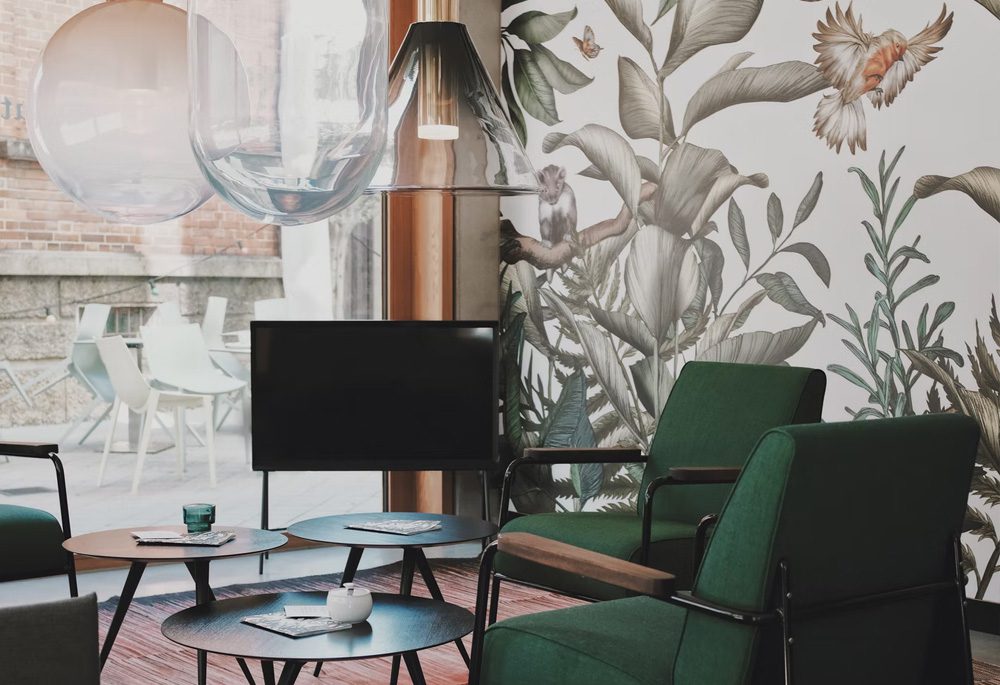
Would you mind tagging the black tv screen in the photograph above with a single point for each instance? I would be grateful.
(374, 395)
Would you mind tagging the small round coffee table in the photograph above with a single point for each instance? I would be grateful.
(333, 530)
(119, 544)
(398, 626)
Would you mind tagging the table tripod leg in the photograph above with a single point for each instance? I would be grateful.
(427, 573)
(290, 673)
(413, 666)
(267, 668)
(351, 567)
(246, 672)
(128, 592)
(202, 595)
(405, 589)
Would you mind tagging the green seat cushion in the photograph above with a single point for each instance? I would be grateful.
(628, 642)
(617, 535)
(31, 541)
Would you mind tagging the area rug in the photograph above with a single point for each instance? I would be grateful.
(142, 656)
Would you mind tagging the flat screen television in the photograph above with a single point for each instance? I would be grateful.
(374, 395)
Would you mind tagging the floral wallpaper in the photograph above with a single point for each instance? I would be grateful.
(809, 182)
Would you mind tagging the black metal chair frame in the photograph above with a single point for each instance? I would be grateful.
(48, 451)
(593, 456)
(783, 615)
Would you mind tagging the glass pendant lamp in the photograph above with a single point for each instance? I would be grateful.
(448, 130)
(288, 102)
(107, 112)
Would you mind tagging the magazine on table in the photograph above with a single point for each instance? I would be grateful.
(397, 526)
(295, 627)
(212, 538)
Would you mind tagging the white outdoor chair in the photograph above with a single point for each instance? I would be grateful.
(167, 314)
(133, 391)
(84, 364)
(179, 359)
(213, 324)
(212, 327)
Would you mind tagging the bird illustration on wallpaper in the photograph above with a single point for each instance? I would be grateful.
(864, 65)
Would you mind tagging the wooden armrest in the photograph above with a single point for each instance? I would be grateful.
(704, 475)
(34, 450)
(576, 560)
(581, 455)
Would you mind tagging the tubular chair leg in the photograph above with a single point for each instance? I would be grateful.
(109, 440)
(210, 441)
(147, 430)
(180, 424)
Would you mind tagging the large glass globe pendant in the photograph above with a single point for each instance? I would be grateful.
(107, 112)
(288, 102)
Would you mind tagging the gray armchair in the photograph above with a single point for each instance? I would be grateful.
(53, 643)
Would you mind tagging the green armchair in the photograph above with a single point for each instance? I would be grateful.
(712, 419)
(31, 539)
(835, 560)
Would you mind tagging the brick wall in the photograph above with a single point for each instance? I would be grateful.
(36, 215)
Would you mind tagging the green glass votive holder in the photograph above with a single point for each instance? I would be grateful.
(199, 517)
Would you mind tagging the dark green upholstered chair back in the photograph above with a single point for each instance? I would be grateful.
(714, 416)
(854, 509)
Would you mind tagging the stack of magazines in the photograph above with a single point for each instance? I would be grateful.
(295, 627)
(397, 526)
(212, 538)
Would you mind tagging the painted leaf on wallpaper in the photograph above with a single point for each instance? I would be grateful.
(644, 375)
(609, 373)
(507, 4)
(713, 262)
(665, 6)
(783, 82)
(647, 168)
(688, 178)
(982, 184)
(629, 13)
(775, 217)
(817, 260)
(533, 90)
(538, 27)
(642, 107)
(560, 74)
(738, 232)
(520, 278)
(661, 278)
(626, 328)
(760, 347)
(699, 24)
(722, 190)
(992, 5)
(727, 324)
(610, 153)
(783, 290)
(809, 202)
(516, 115)
(568, 424)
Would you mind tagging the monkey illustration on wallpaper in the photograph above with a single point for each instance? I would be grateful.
(557, 215)
(858, 63)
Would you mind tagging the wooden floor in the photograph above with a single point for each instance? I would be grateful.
(142, 656)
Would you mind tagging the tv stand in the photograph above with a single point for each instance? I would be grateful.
(265, 504)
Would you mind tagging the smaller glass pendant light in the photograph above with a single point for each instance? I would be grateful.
(448, 130)
(288, 113)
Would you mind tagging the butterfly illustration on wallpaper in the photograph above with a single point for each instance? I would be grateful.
(588, 44)
(860, 64)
